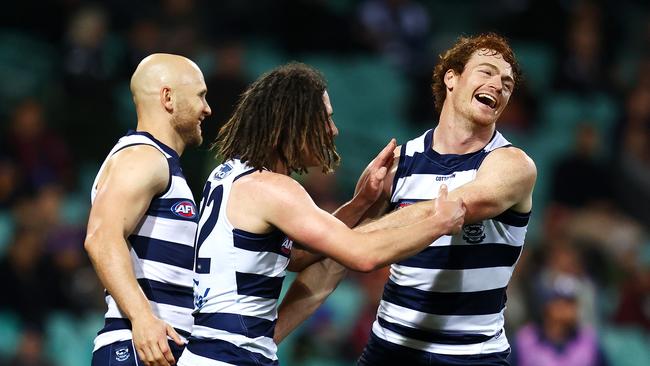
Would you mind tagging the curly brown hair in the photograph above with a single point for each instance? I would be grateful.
(456, 58)
(279, 118)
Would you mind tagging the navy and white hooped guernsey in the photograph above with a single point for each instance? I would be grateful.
(239, 279)
(450, 298)
(162, 250)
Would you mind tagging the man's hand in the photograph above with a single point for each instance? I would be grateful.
(150, 341)
(451, 214)
(371, 184)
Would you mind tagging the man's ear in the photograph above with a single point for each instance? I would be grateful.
(450, 79)
(166, 98)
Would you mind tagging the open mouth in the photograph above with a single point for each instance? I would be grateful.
(486, 99)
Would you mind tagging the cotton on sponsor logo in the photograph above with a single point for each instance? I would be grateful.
(184, 209)
(442, 178)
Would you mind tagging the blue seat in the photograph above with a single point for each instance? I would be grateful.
(75, 208)
(625, 346)
(64, 343)
(537, 61)
(7, 228)
(26, 67)
(368, 96)
(261, 57)
(10, 329)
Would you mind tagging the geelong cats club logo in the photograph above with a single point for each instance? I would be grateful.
(474, 233)
(184, 209)
(122, 354)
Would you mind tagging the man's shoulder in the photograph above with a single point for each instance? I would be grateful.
(414, 144)
(140, 162)
(142, 155)
(264, 196)
(510, 161)
(268, 183)
(511, 155)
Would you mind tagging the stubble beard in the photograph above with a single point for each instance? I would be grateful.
(185, 125)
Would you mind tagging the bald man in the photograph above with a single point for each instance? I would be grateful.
(143, 219)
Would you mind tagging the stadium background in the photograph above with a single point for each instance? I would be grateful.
(583, 115)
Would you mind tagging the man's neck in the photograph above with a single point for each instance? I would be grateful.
(280, 168)
(456, 134)
(164, 133)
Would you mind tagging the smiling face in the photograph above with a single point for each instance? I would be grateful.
(190, 108)
(482, 91)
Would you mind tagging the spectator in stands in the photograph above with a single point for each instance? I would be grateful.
(144, 38)
(25, 273)
(582, 178)
(181, 27)
(40, 155)
(8, 181)
(90, 68)
(634, 302)
(398, 29)
(557, 338)
(30, 350)
(77, 288)
(634, 187)
(583, 67)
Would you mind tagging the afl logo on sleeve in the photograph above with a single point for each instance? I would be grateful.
(184, 209)
(404, 203)
(286, 246)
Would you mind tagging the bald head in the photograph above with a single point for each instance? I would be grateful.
(169, 94)
(161, 70)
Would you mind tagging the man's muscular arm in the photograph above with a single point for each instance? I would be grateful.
(505, 180)
(130, 180)
(368, 191)
(318, 280)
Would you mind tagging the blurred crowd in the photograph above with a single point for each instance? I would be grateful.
(581, 293)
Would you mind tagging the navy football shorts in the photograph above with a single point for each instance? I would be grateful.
(123, 354)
